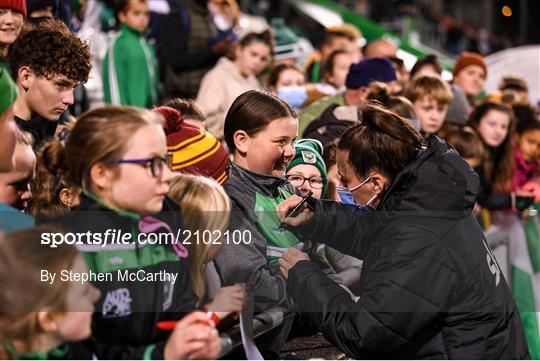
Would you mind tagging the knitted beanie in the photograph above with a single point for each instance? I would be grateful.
(194, 151)
(367, 71)
(309, 151)
(466, 59)
(15, 5)
(8, 89)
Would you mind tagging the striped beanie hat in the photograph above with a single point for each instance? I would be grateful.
(194, 151)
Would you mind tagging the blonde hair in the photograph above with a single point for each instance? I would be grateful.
(431, 87)
(205, 206)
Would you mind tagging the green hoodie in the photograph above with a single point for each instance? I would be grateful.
(130, 72)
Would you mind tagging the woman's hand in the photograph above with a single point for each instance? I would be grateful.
(289, 259)
(304, 215)
(228, 300)
(193, 338)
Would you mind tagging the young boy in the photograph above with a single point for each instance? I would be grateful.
(430, 97)
(335, 70)
(130, 75)
(47, 61)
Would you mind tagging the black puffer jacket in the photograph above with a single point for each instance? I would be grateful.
(430, 286)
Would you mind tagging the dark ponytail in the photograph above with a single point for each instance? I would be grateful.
(383, 141)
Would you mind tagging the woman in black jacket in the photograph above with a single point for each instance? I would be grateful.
(430, 286)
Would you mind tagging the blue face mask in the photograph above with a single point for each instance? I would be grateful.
(348, 200)
(296, 96)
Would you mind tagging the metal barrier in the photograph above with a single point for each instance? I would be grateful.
(262, 323)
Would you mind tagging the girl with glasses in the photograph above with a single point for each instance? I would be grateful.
(118, 157)
(307, 172)
(430, 283)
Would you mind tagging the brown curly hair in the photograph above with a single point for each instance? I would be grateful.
(49, 49)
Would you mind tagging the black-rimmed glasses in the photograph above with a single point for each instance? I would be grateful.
(157, 164)
(298, 181)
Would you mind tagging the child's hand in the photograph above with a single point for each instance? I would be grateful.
(228, 300)
(193, 338)
(532, 188)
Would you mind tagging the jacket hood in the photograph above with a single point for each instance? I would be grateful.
(437, 183)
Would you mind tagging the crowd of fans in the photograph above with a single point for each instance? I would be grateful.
(200, 126)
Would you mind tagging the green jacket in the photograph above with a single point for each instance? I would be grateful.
(309, 113)
(125, 317)
(130, 72)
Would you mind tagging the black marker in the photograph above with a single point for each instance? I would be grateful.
(294, 212)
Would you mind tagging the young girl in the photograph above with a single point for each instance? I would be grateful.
(43, 320)
(206, 207)
(52, 195)
(118, 156)
(289, 83)
(527, 155)
(495, 125)
(228, 79)
(260, 129)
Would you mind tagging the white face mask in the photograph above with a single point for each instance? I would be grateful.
(222, 23)
(360, 185)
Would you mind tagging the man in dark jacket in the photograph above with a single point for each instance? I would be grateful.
(430, 285)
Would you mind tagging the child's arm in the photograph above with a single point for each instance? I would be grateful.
(240, 263)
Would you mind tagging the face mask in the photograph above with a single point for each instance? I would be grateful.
(296, 96)
(221, 22)
(347, 199)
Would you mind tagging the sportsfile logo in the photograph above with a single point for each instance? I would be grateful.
(119, 237)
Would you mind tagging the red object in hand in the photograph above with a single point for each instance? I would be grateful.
(212, 319)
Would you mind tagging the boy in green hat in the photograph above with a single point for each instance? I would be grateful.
(307, 170)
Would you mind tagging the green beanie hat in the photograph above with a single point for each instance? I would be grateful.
(309, 151)
(8, 89)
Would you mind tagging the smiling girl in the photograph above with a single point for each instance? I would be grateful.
(12, 14)
(260, 130)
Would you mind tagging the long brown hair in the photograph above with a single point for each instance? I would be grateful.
(498, 164)
(383, 141)
(22, 295)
